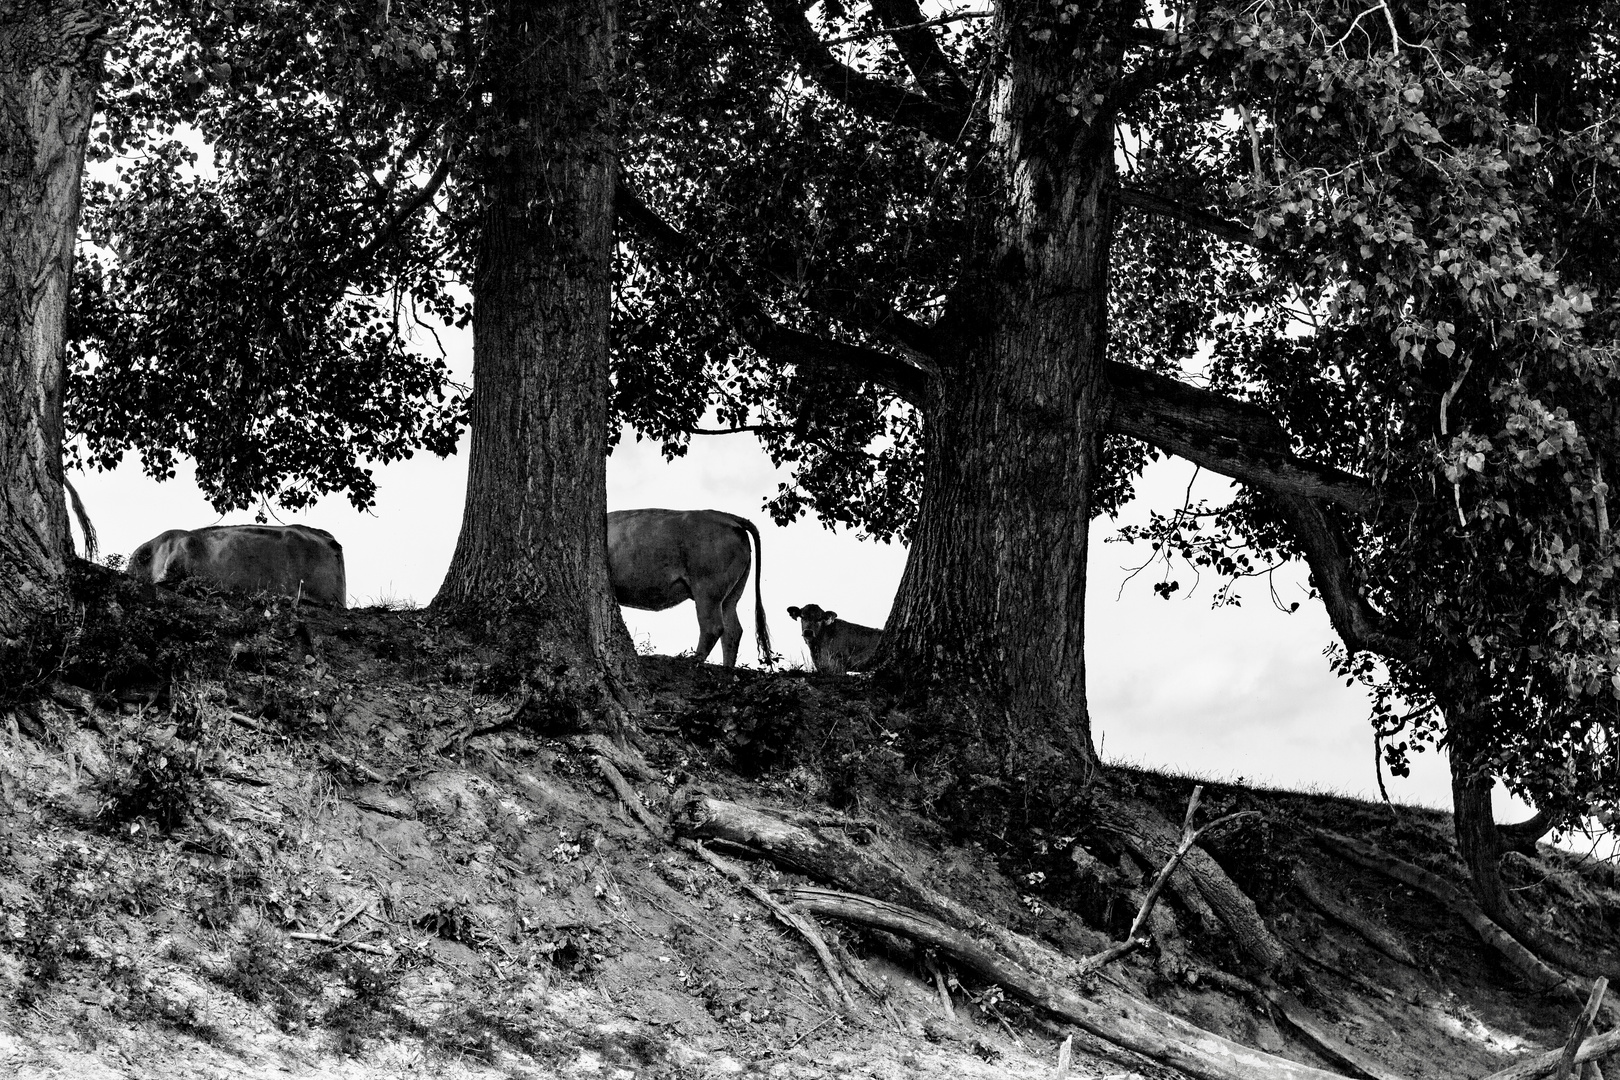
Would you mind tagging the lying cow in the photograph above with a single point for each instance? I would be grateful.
(835, 645)
(660, 558)
(292, 559)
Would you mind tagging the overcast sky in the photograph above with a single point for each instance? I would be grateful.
(1235, 692)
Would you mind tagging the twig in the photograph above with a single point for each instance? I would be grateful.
(336, 943)
(631, 800)
(351, 916)
(943, 19)
(793, 919)
(945, 1005)
(1189, 837)
(1583, 1024)
(809, 1031)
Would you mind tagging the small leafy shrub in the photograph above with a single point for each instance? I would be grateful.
(78, 884)
(158, 780)
(33, 658)
(262, 969)
(370, 1008)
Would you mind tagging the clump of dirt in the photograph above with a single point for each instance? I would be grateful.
(244, 838)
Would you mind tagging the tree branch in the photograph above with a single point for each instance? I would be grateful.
(874, 98)
(904, 22)
(391, 228)
(742, 309)
(1231, 437)
(1230, 231)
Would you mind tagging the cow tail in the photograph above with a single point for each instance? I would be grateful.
(90, 542)
(762, 630)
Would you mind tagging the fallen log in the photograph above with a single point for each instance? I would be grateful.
(1111, 1015)
(1026, 968)
(1593, 1049)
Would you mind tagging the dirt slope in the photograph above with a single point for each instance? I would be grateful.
(378, 866)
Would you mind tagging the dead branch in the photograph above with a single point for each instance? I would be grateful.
(1583, 1025)
(1189, 836)
(1593, 1049)
(1143, 829)
(338, 943)
(939, 984)
(1111, 1015)
(632, 802)
(792, 919)
(1370, 932)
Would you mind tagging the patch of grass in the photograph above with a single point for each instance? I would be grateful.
(155, 780)
(370, 1009)
(262, 969)
(76, 886)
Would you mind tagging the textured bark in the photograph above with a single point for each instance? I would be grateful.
(50, 66)
(993, 592)
(533, 534)
(1481, 846)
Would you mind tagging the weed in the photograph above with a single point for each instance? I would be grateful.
(77, 885)
(158, 780)
(262, 970)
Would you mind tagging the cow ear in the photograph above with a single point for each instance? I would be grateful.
(829, 616)
(793, 613)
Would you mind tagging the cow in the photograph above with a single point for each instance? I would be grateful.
(292, 559)
(660, 558)
(835, 645)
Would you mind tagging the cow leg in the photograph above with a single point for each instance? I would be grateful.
(710, 624)
(732, 638)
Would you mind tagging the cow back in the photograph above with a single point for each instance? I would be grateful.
(291, 560)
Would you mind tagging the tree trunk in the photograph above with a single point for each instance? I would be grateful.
(993, 593)
(1481, 846)
(531, 560)
(50, 65)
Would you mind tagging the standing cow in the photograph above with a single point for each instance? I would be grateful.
(295, 560)
(835, 645)
(660, 558)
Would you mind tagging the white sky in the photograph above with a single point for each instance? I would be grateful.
(1236, 692)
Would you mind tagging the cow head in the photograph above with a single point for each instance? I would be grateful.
(813, 620)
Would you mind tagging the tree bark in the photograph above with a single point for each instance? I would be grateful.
(532, 554)
(50, 67)
(993, 593)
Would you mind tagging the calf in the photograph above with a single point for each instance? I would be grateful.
(835, 645)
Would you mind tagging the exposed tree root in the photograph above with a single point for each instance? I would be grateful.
(792, 919)
(1153, 840)
(632, 802)
(1110, 1014)
(1296, 1016)
(1024, 967)
(1370, 932)
(1520, 959)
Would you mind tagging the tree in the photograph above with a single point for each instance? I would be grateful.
(533, 536)
(50, 65)
(1355, 205)
(368, 164)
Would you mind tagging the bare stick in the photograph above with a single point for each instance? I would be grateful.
(1189, 837)
(1593, 1049)
(793, 919)
(631, 800)
(1583, 1024)
(337, 943)
(939, 984)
